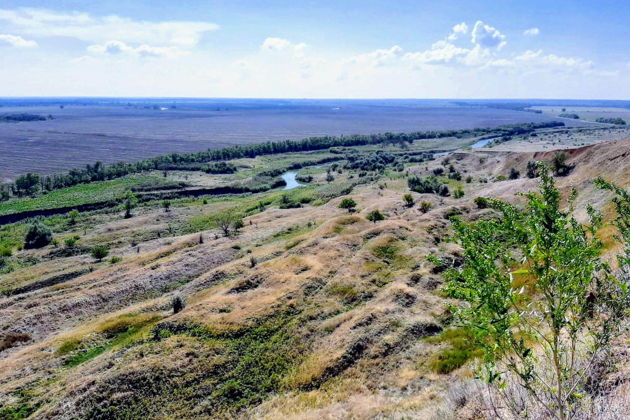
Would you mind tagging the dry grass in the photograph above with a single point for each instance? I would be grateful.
(357, 292)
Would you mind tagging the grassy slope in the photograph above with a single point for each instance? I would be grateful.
(307, 313)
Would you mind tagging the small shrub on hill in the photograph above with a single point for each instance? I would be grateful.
(38, 236)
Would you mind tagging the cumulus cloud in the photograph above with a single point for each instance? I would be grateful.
(486, 36)
(546, 60)
(16, 41)
(537, 61)
(99, 29)
(457, 30)
(116, 47)
(531, 31)
(281, 44)
(441, 52)
(377, 58)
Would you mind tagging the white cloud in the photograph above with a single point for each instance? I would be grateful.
(17, 41)
(377, 57)
(47, 23)
(119, 47)
(537, 61)
(459, 29)
(281, 44)
(537, 58)
(531, 31)
(441, 52)
(487, 37)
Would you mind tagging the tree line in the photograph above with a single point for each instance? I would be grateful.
(32, 183)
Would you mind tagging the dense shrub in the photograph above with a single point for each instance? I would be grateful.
(348, 204)
(178, 304)
(99, 252)
(38, 236)
(375, 216)
(532, 169)
(559, 165)
(481, 202)
(514, 173)
(617, 121)
(428, 185)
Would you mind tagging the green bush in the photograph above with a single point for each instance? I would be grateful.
(428, 185)
(481, 202)
(99, 252)
(348, 204)
(38, 236)
(375, 216)
(533, 335)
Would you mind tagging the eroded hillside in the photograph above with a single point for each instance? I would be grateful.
(308, 311)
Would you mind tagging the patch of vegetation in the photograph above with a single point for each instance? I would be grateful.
(345, 292)
(560, 166)
(569, 115)
(23, 117)
(74, 196)
(536, 338)
(616, 121)
(427, 185)
(256, 359)
(460, 348)
(23, 408)
(348, 204)
(116, 332)
(532, 169)
(375, 216)
(37, 236)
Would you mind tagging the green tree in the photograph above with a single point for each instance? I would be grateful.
(27, 184)
(99, 252)
(130, 202)
(166, 205)
(238, 224)
(225, 222)
(375, 216)
(73, 216)
(71, 241)
(37, 236)
(348, 204)
(541, 304)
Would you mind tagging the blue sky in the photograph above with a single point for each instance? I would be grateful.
(344, 49)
